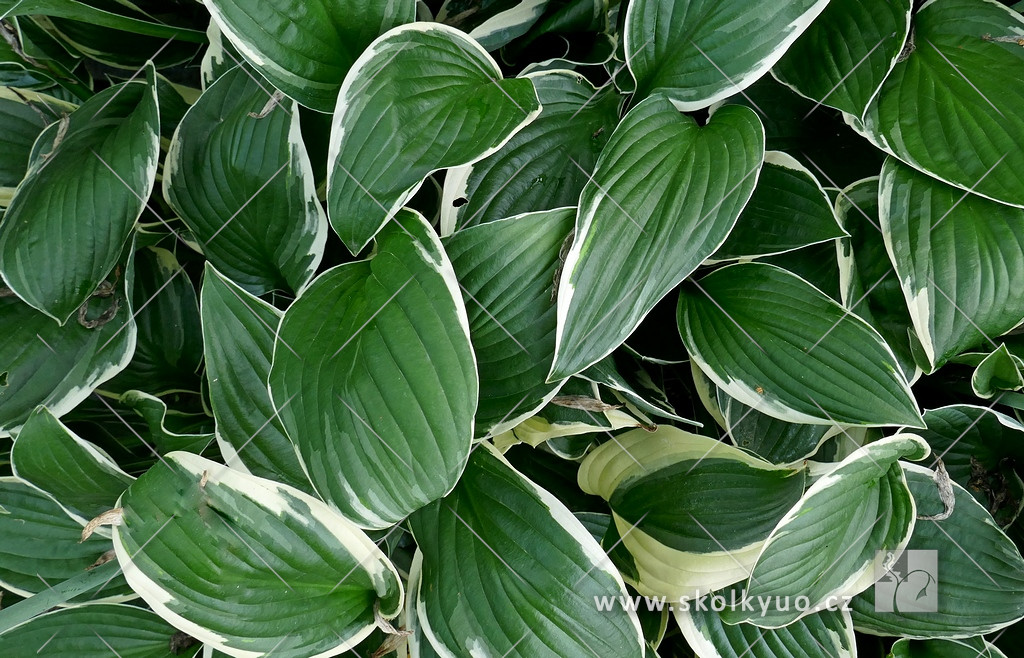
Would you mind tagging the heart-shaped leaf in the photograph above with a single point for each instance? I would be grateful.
(374, 377)
(664, 196)
(305, 47)
(270, 568)
(420, 98)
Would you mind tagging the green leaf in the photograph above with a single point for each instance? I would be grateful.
(630, 382)
(974, 647)
(960, 81)
(93, 631)
(492, 24)
(78, 475)
(305, 48)
(422, 97)
(22, 119)
(57, 595)
(170, 431)
(506, 269)
(699, 51)
(483, 590)
(664, 196)
(73, 214)
(788, 210)
(42, 546)
(692, 511)
(374, 378)
(81, 11)
(239, 176)
(829, 631)
(775, 440)
(826, 545)
(868, 283)
(545, 165)
(842, 59)
(43, 363)
(238, 336)
(774, 342)
(999, 371)
(270, 568)
(959, 259)
(980, 571)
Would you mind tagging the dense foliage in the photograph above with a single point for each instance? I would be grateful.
(539, 328)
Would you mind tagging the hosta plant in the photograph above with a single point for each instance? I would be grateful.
(511, 328)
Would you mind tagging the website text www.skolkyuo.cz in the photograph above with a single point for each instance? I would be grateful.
(718, 602)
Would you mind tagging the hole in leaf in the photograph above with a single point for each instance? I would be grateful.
(461, 201)
(3, 379)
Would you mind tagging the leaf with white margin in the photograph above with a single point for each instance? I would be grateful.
(772, 439)
(80, 476)
(238, 175)
(999, 371)
(700, 51)
(418, 643)
(828, 544)
(73, 215)
(960, 81)
(624, 374)
(93, 631)
(506, 569)
(868, 284)
(238, 339)
(34, 344)
(778, 344)
(492, 24)
(169, 430)
(825, 633)
(842, 59)
(306, 47)
(959, 258)
(22, 119)
(693, 511)
(375, 380)
(422, 97)
(506, 269)
(788, 210)
(981, 572)
(269, 568)
(974, 647)
(42, 546)
(664, 195)
(545, 165)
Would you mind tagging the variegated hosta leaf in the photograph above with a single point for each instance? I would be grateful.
(492, 24)
(80, 476)
(269, 568)
(94, 631)
(506, 570)
(826, 633)
(979, 572)
(305, 47)
(776, 343)
(973, 647)
(772, 439)
(960, 78)
(169, 430)
(43, 363)
(827, 544)
(239, 176)
(42, 546)
(959, 258)
(87, 184)
(664, 196)
(998, 371)
(842, 59)
(506, 269)
(692, 511)
(238, 335)
(868, 284)
(422, 97)
(375, 380)
(624, 374)
(530, 172)
(699, 51)
(788, 210)
(22, 119)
